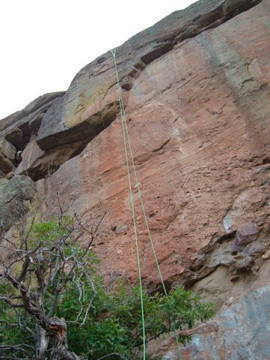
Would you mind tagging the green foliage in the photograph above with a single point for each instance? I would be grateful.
(14, 324)
(114, 322)
(48, 232)
(100, 322)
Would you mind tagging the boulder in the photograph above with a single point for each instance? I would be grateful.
(7, 149)
(6, 166)
(7, 156)
(17, 128)
(15, 196)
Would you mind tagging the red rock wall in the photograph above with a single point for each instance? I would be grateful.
(198, 118)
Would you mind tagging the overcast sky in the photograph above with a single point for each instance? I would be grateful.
(44, 43)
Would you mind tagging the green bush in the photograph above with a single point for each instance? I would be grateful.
(114, 322)
(100, 322)
(14, 325)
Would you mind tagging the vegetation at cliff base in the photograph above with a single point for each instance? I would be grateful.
(54, 304)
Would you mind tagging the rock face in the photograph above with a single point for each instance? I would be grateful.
(198, 120)
(15, 196)
(241, 331)
(17, 130)
(195, 88)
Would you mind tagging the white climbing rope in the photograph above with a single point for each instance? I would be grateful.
(132, 206)
(131, 167)
(137, 182)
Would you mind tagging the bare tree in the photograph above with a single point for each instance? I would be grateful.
(36, 269)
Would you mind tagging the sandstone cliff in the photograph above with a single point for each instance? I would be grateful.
(196, 92)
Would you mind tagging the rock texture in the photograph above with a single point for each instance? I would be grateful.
(18, 126)
(198, 119)
(195, 88)
(196, 92)
(91, 100)
(239, 332)
(15, 196)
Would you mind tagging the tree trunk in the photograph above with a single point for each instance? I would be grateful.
(42, 344)
(58, 329)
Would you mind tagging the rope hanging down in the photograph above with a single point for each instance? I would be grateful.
(137, 182)
(129, 154)
(132, 205)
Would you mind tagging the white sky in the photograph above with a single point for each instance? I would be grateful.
(44, 43)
